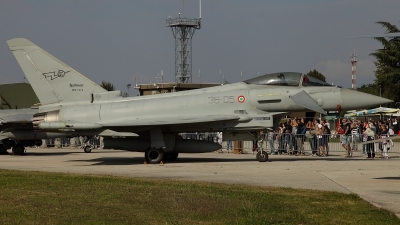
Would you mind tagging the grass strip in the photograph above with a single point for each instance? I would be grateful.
(56, 198)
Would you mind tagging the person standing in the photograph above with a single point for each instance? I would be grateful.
(101, 142)
(370, 134)
(355, 132)
(281, 138)
(391, 131)
(320, 135)
(288, 137)
(300, 136)
(219, 140)
(346, 137)
(327, 134)
(229, 145)
(295, 124)
(395, 126)
(81, 141)
(385, 143)
(271, 139)
(313, 138)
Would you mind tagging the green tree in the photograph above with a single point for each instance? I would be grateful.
(370, 89)
(314, 73)
(107, 85)
(387, 64)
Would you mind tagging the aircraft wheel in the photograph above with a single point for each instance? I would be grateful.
(87, 149)
(154, 156)
(3, 150)
(262, 156)
(172, 156)
(18, 150)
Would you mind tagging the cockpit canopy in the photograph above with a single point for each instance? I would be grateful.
(287, 79)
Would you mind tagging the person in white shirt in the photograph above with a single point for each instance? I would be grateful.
(391, 131)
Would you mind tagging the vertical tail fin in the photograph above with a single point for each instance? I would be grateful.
(52, 80)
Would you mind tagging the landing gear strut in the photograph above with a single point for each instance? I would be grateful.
(87, 147)
(154, 156)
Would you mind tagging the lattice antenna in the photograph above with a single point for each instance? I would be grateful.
(183, 30)
(353, 60)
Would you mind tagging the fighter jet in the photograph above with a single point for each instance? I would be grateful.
(17, 131)
(72, 103)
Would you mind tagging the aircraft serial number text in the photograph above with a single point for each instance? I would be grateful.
(77, 89)
(221, 99)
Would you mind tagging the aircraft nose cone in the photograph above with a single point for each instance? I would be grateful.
(357, 100)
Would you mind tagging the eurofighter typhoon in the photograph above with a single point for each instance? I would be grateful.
(73, 104)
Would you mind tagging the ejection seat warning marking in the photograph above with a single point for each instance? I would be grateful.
(241, 99)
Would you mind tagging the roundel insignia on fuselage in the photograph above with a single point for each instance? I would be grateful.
(241, 98)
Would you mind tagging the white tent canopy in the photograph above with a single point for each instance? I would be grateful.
(376, 111)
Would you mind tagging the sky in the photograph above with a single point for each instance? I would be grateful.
(127, 42)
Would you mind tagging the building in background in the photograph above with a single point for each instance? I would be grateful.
(17, 96)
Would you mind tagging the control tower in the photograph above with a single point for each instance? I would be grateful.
(183, 30)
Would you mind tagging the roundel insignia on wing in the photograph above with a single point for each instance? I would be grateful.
(241, 99)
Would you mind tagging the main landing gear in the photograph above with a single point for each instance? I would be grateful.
(155, 156)
(262, 155)
(18, 150)
(87, 147)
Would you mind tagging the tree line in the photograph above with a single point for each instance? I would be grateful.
(387, 73)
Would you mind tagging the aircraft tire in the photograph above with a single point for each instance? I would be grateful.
(87, 149)
(262, 156)
(154, 156)
(18, 150)
(171, 156)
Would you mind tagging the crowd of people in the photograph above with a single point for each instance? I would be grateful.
(368, 131)
(291, 136)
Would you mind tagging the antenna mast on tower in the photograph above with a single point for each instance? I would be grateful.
(353, 60)
(183, 30)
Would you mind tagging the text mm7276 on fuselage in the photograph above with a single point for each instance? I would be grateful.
(72, 103)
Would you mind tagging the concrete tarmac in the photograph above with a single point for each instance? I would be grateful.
(375, 180)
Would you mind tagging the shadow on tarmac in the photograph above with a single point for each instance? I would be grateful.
(183, 160)
(54, 152)
(388, 178)
(140, 160)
